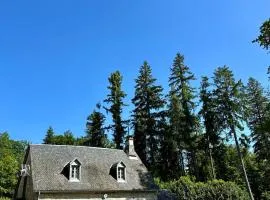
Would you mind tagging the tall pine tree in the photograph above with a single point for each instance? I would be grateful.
(148, 103)
(95, 131)
(210, 121)
(179, 82)
(230, 103)
(49, 138)
(115, 100)
(258, 112)
(174, 138)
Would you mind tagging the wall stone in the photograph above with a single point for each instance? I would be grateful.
(100, 196)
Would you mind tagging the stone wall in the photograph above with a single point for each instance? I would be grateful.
(100, 196)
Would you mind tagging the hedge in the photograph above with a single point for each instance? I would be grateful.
(266, 195)
(4, 198)
(187, 189)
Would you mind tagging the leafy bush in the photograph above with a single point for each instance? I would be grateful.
(4, 198)
(187, 189)
(266, 195)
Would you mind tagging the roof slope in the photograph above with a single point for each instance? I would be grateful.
(48, 161)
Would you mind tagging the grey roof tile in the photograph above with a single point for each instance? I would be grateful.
(48, 161)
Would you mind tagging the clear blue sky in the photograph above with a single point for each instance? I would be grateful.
(56, 56)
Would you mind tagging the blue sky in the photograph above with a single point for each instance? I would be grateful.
(56, 56)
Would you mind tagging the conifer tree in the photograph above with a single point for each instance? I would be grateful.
(258, 111)
(174, 138)
(68, 138)
(264, 38)
(148, 103)
(49, 138)
(115, 100)
(95, 129)
(179, 82)
(210, 120)
(229, 97)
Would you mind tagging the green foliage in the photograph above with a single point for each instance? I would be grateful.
(186, 188)
(228, 96)
(211, 137)
(266, 195)
(66, 138)
(264, 38)
(179, 82)
(257, 118)
(95, 129)
(230, 100)
(183, 122)
(49, 138)
(115, 100)
(4, 198)
(148, 103)
(11, 155)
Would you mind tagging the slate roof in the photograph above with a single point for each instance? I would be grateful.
(48, 161)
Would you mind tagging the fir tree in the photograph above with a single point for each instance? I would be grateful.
(174, 138)
(179, 82)
(148, 103)
(68, 138)
(49, 138)
(258, 112)
(95, 129)
(230, 103)
(264, 38)
(210, 120)
(115, 99)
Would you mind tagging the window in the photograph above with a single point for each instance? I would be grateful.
(118, 171)
(121, 173)
(75, 170)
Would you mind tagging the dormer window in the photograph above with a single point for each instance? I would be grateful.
(121, 172)
(118, 171)
(75, 171)
(72, 171)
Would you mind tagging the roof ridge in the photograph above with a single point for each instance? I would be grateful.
(62, 145)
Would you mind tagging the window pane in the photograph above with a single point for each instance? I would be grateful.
(77, 172)
(121, 173)
(72, 171)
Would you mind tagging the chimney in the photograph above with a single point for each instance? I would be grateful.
(130, 150)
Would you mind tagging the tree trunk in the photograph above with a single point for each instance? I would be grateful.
(242, 164)
(212, 164)
(210, 147)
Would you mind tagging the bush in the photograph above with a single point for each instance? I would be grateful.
(187, 189)
(266, 195)
(4, 198)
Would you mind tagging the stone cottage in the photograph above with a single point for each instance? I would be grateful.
(62, 172)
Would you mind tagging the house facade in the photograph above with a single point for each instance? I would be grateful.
(62, 172)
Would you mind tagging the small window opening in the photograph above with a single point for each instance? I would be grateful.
(118, 171)
(121, 173)
(75, 171)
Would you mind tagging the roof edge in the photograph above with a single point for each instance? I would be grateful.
(92, 191)
(75, 146)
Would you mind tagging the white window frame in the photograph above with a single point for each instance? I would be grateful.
(119, 169)
(75, 166)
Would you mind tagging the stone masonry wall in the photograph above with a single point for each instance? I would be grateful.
(100, 196)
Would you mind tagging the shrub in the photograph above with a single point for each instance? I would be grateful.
(187, 189)
(266, 195)
(4, 198)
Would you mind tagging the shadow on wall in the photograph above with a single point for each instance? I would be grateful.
(147, 180)
(166, 195)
